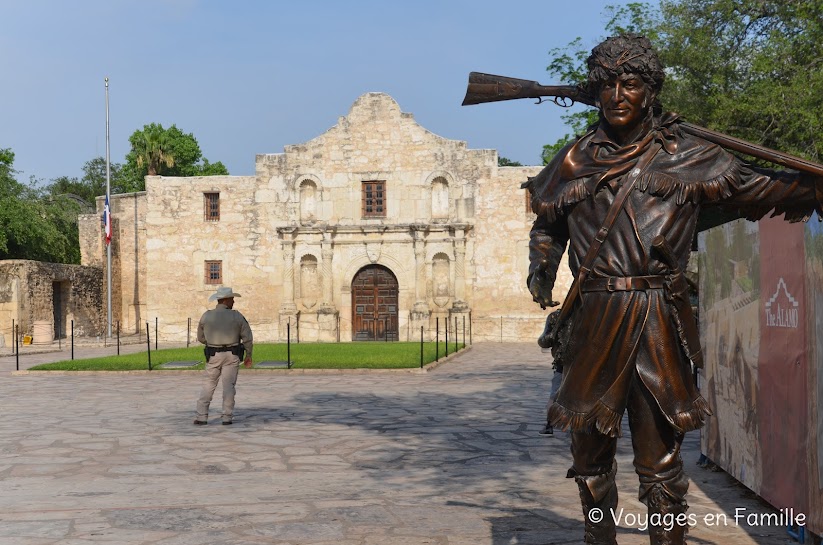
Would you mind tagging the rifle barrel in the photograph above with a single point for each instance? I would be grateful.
(490, 88)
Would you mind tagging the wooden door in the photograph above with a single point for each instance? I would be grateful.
(374, 305)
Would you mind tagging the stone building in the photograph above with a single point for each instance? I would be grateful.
(372, 230)
(44, 300)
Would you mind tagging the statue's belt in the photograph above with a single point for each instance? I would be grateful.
(624, 283)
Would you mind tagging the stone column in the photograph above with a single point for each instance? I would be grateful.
(460, 271)
(288, 277)
(289, 314)
(327, 254)
(327, 313)
(420, 314)
(420, 280)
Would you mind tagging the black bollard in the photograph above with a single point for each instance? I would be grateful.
(437, 340)
(148, 345)
(421, 347)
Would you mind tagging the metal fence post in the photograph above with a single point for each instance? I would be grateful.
(16, 344)
(188, 333)
(72, 339)
(118, 337)
(148, 344)
(437, 340)
(447, 337)
(288, 344)
(456, 336)
(421, 347)
(156, 321)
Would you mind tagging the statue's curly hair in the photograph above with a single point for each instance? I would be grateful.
(625, 54)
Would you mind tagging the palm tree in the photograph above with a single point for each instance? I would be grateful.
(153, 149)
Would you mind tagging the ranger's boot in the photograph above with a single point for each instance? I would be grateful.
(598, 494)
(666, 509)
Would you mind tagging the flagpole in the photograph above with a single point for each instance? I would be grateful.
(108, 204)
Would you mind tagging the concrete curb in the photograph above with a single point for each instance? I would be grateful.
(411, 370)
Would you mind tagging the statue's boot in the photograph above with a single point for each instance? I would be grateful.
(598, 494)
(670, 515)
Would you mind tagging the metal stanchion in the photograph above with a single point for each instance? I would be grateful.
(118, 337)
(148, 345)
(437, 339)
(464, 331)
(16, 344)
(156, 322)
(188, 333)
(72, 339)
(288, 344)
(456, 336)
(447, 336)
(421, 347)
(470, 327)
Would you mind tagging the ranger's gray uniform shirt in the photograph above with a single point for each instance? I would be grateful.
(222, 326)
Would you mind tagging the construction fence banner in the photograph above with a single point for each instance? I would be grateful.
(761, 327)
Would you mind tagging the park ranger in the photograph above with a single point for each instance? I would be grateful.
(227, 335)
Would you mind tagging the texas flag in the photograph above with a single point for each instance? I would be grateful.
(107, 221)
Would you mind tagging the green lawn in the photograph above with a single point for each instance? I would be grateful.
(369, 355)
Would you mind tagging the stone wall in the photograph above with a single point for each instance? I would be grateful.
(128, 212)
(33, 291)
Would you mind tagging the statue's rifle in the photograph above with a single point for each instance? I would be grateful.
(490, 88)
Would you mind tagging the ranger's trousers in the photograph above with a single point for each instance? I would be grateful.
(657, 461)
(223, 364)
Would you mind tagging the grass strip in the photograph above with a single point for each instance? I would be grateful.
(355, 355)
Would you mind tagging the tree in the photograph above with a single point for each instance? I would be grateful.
(31, 226)
(506, 162)
(167, 152)
(93, 182)
(749, 68)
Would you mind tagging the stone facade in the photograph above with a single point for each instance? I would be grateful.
(44, 298)
(297, 240)
(128, 264)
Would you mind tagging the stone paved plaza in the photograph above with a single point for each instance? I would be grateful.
(451, 456)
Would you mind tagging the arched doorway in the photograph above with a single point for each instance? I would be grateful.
(374, 298)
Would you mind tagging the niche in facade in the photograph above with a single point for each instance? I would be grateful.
(440, 199)
(441, 275)
(309, 281)
(308, 201)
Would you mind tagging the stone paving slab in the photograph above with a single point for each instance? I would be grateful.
(450, 457)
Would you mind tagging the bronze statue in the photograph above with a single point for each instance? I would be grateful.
(626, 198)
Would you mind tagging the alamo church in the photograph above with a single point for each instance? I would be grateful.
(367, 232)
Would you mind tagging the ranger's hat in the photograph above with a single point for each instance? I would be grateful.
(223, 293)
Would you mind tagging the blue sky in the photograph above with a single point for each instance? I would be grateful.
(249, 77)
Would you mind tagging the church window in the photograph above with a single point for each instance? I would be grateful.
(214, 272)
(374, 199)
(211, 206)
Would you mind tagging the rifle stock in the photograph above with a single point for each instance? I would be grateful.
(484, 88)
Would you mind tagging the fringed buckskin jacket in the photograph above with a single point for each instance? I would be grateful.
(619, 337)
